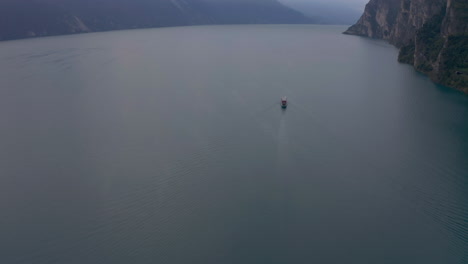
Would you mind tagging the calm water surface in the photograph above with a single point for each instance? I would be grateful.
(169, 146)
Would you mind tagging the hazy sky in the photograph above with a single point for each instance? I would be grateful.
(357, 2)
(354, 3)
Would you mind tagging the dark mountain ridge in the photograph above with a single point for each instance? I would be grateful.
(30, 18)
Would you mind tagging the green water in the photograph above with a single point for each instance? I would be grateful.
(170, 146)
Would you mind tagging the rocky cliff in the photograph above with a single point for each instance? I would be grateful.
(29, 18)
(432, 35)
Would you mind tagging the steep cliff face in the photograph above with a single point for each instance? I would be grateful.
(453, 59)
(412, 16)
(378, 20)
(432, 35)
(29, 18)
(456, 19)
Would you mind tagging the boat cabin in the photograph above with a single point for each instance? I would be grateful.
(284, 102)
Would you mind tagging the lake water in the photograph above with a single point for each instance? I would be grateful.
(170, 146)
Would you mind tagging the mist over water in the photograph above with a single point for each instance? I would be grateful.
(170, 146)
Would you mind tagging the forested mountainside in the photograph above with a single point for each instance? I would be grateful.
(30, 18)
(432, 35)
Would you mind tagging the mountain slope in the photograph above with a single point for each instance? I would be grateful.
(432, 35)
(330, 13)
(29, 18)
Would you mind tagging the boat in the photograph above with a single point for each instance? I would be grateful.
(284, 102)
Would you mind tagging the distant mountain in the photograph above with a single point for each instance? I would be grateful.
(432, 35)
(327, 13)
(30, 18)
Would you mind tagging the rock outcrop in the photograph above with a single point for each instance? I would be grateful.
(378, 20)
(432, 35)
